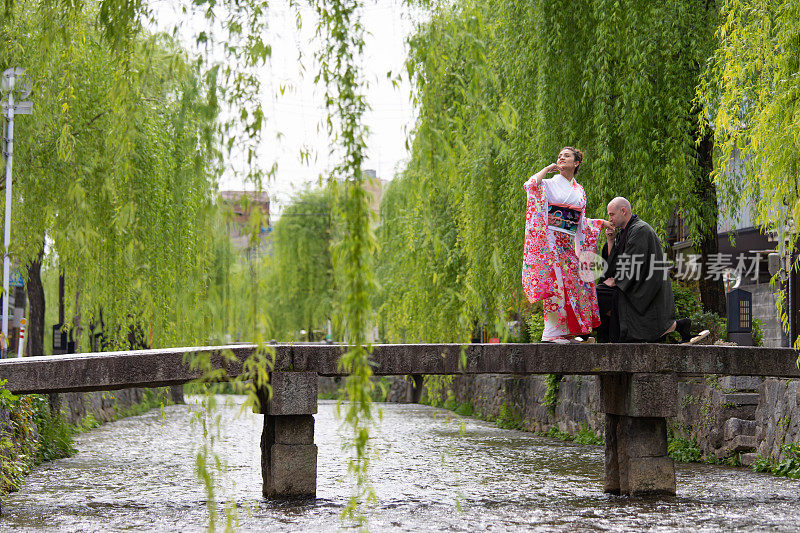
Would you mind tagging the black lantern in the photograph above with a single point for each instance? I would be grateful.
(740, 317)
(740, 311)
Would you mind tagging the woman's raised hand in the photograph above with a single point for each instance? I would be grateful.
(549, 169)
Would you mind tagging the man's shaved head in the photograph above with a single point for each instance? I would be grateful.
(621, 203)
(619, 212)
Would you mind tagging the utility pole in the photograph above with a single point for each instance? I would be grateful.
(9, 79)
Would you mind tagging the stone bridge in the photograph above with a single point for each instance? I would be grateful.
(638, 391)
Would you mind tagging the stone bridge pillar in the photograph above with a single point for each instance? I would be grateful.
(636, 407)
(288, 452)
(414, 389)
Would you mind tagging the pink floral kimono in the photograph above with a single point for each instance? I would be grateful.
(556, 232)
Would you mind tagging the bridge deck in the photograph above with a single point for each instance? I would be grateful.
(117, 370)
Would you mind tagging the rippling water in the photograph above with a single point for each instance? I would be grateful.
(432, 470)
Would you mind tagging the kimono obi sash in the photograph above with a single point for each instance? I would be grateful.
(561, 218)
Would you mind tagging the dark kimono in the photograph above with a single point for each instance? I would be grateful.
(646, 306)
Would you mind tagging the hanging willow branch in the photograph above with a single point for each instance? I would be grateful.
(342, 33)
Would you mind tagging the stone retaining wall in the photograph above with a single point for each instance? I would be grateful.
(101, 405)
(777, 416)
(726, 415)
(578, 400)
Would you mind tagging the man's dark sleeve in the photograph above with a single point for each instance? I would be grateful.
(607, 270)
(640, 250)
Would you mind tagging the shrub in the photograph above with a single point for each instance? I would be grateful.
(717, 325)
(55, 433)
(551, 394)
(687, 300)
(450, 403)
(535, 322)
(465, 409)
(683, 450)
(508, 419)
(586, 435)
(555, 433)
(758, 332)
(789, 466)
(762, 464)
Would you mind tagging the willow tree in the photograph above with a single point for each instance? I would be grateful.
(115, 167)
(299, 274)
(235, 82)
(750, 94)
(500, 88)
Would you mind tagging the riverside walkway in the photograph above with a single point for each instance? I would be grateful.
(638, 390)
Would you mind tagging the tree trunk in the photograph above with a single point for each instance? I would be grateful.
(37, 303)
(712, 292)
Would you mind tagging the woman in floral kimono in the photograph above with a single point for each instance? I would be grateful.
(556, 232)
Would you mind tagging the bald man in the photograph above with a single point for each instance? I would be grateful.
(635, 295)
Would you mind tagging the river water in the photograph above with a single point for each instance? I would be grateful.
(432, 470)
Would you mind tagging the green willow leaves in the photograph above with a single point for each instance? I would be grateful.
(751, 92)
(115, 170)
(501, 87)
(354, 243)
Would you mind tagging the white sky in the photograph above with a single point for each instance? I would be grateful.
(296, 118)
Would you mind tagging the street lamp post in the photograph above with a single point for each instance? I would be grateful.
(7, 83)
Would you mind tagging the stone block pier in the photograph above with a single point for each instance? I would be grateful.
(638, 391)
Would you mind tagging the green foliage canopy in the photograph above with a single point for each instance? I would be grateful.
(115, 170)
(501, 87)
(751, 93)
(299, 270)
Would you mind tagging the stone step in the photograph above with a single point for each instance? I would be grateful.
(740, 405)
(744, 412)
(738, 426)
(741, 383)
(739, 444)
(747, 459)
(740, 398)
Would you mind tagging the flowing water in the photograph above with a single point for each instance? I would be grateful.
(432, 471)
